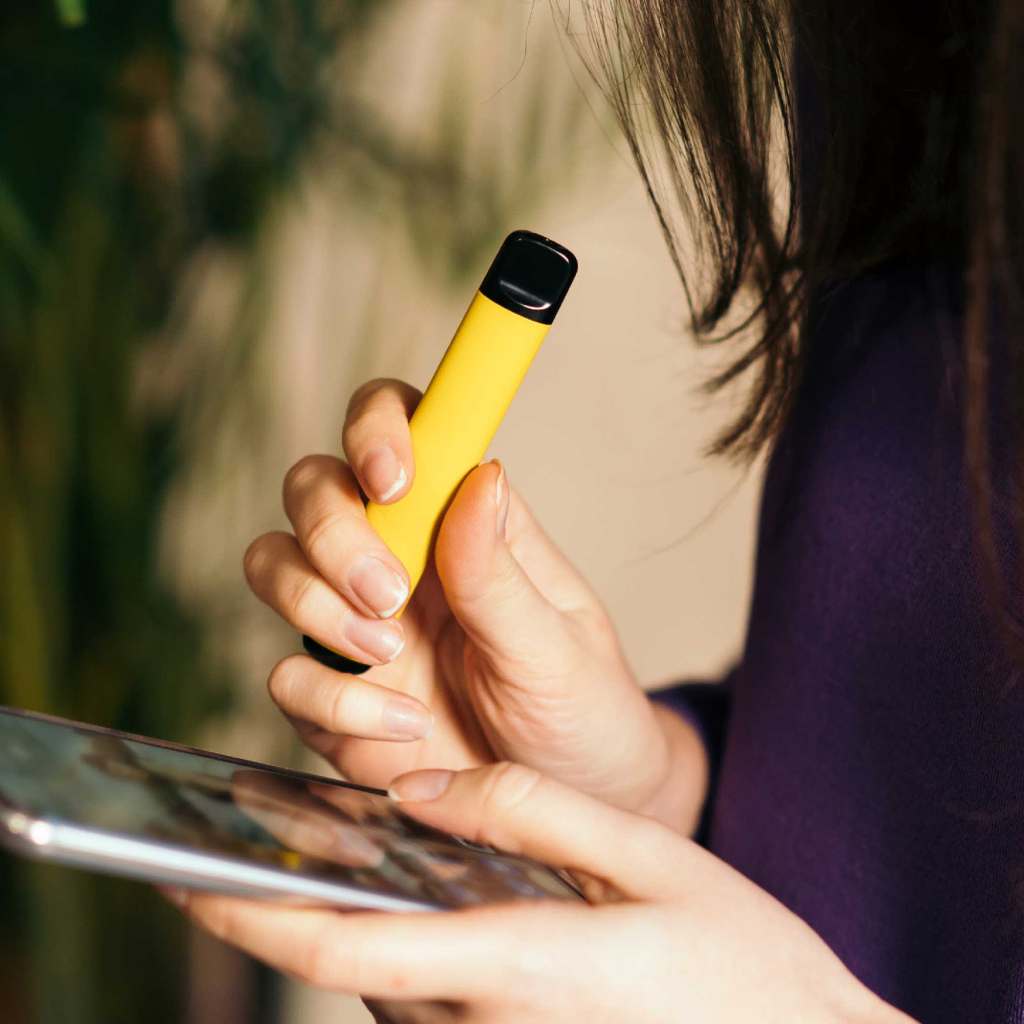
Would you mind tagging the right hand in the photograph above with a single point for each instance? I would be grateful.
(503, 642)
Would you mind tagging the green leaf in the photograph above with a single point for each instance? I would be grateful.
(71, 12)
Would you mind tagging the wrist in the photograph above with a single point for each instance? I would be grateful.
(859, 1005)
(681, 778)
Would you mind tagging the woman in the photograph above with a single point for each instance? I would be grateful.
(857, 779)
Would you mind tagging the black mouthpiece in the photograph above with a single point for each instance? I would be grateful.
(530, 276)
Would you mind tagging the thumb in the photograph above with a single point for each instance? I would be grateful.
(521, 811)
(489, 591)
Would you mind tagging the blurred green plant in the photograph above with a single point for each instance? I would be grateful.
(71, 12)
(149, 133)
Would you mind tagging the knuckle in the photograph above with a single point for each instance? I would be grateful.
(365, 762)
(330, 964)
(257, 558)
(320, 968)
(319, 539)
(365, 391)
(337, 709)
(398, 982)
(220, 922)
(302, 597)
(302, 475)
(382, 394)
(598, 627)
(283, 677)
(359, 405)
(506, 787)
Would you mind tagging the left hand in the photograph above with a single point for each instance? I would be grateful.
(672, 933)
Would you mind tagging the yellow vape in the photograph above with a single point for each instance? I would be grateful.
(467, 397)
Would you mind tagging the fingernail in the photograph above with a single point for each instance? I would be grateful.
(378, 585)
(421, 786)
(501, 501)
(383, 474)
(407, 718)
(383, 641)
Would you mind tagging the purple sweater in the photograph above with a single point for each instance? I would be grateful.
(868, 750)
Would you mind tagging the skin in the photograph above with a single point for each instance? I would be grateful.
(507, 656)
(653, 937)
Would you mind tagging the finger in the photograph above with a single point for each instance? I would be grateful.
(320, 741)
(413, 1013)
(521, 811)
(490, 594)
(458, 955)
(543, 561)
(281, 576)
(376, 438)
(300, 822)
(322, 503)
(345, 705)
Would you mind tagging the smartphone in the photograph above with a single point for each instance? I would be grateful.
(127, 805)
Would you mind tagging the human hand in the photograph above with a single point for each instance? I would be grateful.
(672, 934)
(505, 644)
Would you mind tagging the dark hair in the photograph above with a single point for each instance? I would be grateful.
(915, 114)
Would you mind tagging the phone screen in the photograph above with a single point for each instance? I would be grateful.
(73, 774)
